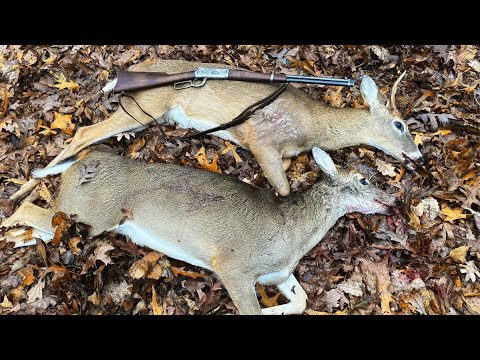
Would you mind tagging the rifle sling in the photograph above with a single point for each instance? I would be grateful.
(240, 119)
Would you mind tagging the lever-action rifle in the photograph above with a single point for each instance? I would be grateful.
(132, 81)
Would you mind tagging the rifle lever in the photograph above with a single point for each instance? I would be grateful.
(190, 83)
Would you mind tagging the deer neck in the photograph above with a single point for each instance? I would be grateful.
(335, 128)
(309, 216)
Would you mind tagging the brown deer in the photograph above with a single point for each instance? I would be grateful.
(242, 233)
(292, 124)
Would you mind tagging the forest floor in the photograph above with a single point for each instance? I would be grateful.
(425, 262)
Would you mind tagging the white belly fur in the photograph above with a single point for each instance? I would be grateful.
(143, 237)
(177, 115)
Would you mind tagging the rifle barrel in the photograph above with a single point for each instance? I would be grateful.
(320, 80)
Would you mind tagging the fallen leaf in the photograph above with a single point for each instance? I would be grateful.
(458, 254)
(6, 304)
(45, 193)
(452, 214)
(377, 279)
(62, 83)
(442, 132)
(27, 274)
(63, 224)
(399, 176)
(428, 207)
(100, 253)
(35, 292)
(88, 171)
(135, 147)
(266, 300)
(418, 137)
(177, 271)
(332, 299)
(42, 251)
(205, 163)
(313, 312)
(474, 64)
(385, 168)
(229, 147)
(157, 310)
(16, 181)
(72, 245)
(64, 123)
(471, 271)
(147, 266)
(94, 298)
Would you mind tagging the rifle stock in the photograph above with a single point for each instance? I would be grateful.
(133, 81)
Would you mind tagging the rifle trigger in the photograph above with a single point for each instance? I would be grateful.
(189, 83)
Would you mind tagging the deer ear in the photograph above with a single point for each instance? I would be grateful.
(369, 91)
(324, 161)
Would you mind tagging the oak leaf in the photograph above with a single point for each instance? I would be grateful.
(6, 304)
(452, 214)
(62, 83)
(229, 147)
(88, 171)
(385, 168)
(205, 163)
(64, 123)
(192, 274)
(100, 253)
(265, 300)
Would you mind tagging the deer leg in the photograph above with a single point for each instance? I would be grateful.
(242, 293)
(119, 122)
(38, 218)
(294, 292)
(271, 163)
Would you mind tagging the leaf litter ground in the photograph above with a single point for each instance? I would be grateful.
(423, 261)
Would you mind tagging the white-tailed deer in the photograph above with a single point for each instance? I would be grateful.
(242, 233)
(292, 124)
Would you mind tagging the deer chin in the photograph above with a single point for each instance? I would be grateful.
(375, 207)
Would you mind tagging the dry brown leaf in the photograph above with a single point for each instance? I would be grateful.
(265, 300)
(135, 147)
(458, 254)
(177, 271)
(313, 312)
(100, 253)
(147, 266)
(35, 293)
(399, 176)
(205, 163)
(157, 310)
(63, 223)
(6, 304)
(229, 147)
(27, 274)
(385, 168)
(62, 83)
(452, 214)
(16, 181)
(44, 193)
(64, 123)
(94, 298)
(88, 171)
(72, 245)
(42, 251)
(418, 137)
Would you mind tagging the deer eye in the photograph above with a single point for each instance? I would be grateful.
(398, 125)
(363, 181)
